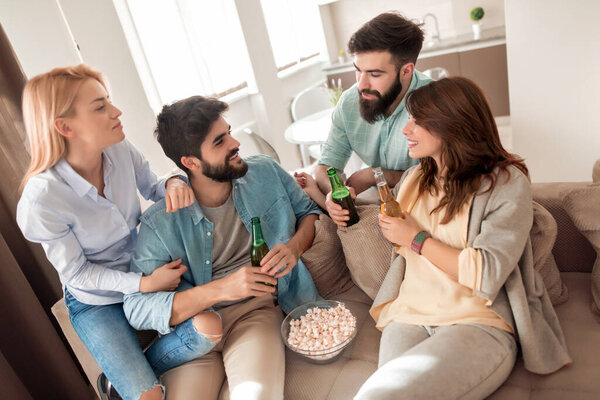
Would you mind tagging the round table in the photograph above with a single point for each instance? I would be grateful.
(312, 129)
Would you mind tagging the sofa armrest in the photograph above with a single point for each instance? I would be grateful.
(572, 251)
(89, 365)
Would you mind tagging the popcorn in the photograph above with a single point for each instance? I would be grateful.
(321, 328)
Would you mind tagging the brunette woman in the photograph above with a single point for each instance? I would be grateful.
(461, 294)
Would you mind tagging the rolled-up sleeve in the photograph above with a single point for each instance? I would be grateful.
(149, 310)
(301, 202)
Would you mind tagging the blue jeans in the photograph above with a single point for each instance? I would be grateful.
(105, 332)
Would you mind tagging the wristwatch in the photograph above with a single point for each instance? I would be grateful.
(417, 243)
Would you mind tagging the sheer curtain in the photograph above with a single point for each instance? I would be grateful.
(191, 47)
(294, 32)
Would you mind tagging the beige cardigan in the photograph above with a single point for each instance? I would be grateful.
(499, 225)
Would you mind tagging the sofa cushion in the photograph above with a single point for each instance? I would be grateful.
(368, 253)
(572, 251)
(581, 379)
(325, 259)
(543, 236)
(583, 206)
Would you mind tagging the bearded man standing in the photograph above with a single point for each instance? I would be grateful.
(369, 117)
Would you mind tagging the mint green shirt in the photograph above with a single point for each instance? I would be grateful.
(380, 144)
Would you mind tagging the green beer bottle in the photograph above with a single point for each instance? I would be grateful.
(341, 195)
(259, 248)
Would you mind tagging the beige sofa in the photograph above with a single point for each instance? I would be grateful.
(341, 379)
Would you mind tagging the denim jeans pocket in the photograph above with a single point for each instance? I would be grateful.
(74, 306)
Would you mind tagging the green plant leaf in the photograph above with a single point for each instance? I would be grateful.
(477, 13)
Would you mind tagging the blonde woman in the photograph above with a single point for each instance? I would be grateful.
(80, 202)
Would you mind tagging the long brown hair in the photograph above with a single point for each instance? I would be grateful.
(456, 110)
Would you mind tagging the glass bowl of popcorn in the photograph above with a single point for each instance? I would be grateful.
(319, 331)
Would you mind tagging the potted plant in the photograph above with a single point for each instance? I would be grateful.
(341, 56)
(476, 15)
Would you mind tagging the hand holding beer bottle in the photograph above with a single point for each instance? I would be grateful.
(389, 205)
(341, 196)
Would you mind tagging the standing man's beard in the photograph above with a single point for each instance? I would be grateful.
(225, 172)
(371, 110)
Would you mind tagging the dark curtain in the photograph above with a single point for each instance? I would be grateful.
(35, 359)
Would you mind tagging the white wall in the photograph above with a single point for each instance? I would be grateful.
(553, 51)
(39, 45)
(44, 42)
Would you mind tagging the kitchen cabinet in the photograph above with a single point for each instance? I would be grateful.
(486, 66)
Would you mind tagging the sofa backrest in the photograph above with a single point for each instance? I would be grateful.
(572, 251)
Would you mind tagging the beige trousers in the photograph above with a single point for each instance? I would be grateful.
(250, 354)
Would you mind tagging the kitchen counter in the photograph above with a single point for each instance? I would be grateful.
(465, 42)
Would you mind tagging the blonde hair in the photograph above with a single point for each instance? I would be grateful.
(47, 97)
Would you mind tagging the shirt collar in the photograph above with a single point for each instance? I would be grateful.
(77, 182)
(414, 81)
(196, 211)
(73, 179)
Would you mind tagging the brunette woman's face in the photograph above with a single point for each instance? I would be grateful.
(95, 122)
(421, 142)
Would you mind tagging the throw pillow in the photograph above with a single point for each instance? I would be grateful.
(368, 253)
(325, 259)
(596, 172)
(583, 206)
(543, 235)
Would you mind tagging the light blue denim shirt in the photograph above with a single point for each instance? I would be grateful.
(88, 238)
(380, 144)
(267, 192)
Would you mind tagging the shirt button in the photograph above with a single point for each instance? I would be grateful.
(208, 233)
(207, 262)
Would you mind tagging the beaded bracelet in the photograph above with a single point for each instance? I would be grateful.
(417, 243)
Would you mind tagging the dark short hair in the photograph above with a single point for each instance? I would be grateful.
(181, 127)
(391, 32)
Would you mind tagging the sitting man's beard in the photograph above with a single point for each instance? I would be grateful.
(225, 172)
(372, 110)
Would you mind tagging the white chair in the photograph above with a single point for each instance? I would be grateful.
(437, 73)
(252, 143)
(310, 101)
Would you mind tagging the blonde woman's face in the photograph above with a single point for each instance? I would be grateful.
(95, 123)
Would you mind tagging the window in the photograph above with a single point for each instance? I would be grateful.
(188, 47)
(294, 28)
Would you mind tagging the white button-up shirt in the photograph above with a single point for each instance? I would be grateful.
(88, 238)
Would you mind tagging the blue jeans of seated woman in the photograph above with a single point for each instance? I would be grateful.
(105, 332)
